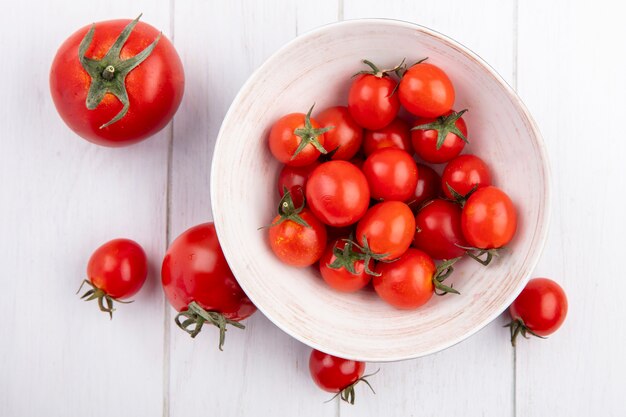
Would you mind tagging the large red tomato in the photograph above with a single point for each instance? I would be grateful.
(426, 91)
(464, 174)
(386, 229)
(391, 174)
(489, 218)
(200, 285)
(117, 82)
(438, 230)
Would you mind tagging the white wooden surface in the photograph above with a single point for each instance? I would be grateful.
(61, 197)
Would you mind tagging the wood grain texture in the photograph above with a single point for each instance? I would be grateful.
(61, 198)
(571, 74)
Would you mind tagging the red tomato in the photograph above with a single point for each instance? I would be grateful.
(294, 180)
(337, 375)
(439, 230)
(539, 310)
(426, 91)
(371, 100)
(108, 99)
(428, 186)
(346, 135)
(116, 271)
(441, 139)
(200, 285)
(343, 267)
(464, 173)
(297, 140)
(388, 229)
(394, 135)
(488, 219)
(408, 282)
(296, 244)
(391, 174)
(337, 193)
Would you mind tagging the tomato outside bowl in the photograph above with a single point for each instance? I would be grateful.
(316, 68)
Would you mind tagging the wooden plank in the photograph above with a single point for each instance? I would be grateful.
(262, 371)
(571, 70)
(445, 383)
(63, 197)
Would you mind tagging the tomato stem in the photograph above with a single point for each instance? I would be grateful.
(288, 211)
(444, 125)
(444, 270)
(477, 254)
(348, 394)
(195, 317)
(96, 293)
(517, 326)
(309, 135)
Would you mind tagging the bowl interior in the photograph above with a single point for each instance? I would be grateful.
(316, 68)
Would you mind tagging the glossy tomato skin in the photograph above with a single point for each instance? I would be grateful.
(298, 245)
(425, 142)
(391, 174)
(119, 268)
(389, 228)
(155, 87)
(337, 193)
(463, 173)
(428, 187)
(346, 136)
(371, 102)
(438, 230)
(542, 305)
(489, 218)
(332, 373)
(195, 269)
(284, 142)
(408, 282)
(294, 179)
(395, 135)
(426, 91)
(341, 279)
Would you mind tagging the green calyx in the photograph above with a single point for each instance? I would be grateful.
(517, 326)
(363, 253)
(380, 73)
(96, 293)
(309, 135)
(348, 394)
(444, 125)
(459, 198)
(288, 211)
(108, 74)
(444, 270)
(195, 317)
(482, 256)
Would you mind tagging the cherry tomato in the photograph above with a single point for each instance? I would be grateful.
(107, 92)
(540, 309)
(336, 375)
(371, 100)
(294, 180)
(438, 230)
(428, 187)
(116, 271)
(464, 173)
(426, 91)
(337, 193)
(394, 135)
(297, 139)
(408, 282)
(438, 140)
(387, 228)
(343, 268)
(391, 174)
(346, 136)
(488, 219)
(200, 285)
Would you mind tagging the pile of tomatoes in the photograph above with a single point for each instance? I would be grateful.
(356, 202)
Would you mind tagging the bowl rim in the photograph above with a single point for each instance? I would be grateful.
(540, 237)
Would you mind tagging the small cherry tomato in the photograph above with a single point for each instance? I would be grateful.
(371, 100)
(343, 268)
(346, 135)
(116, 271)
(387, 230)
(438, 140)
(296, 139)
(438, 230)
(540, 309)
(488, 218)
(337, 193)
(428, 186)
(394, 135)
(464, 173)
(336, 375)
(294, 180)
(391, 174)
(426, 91)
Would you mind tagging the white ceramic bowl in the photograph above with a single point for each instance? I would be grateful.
(316, 68)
